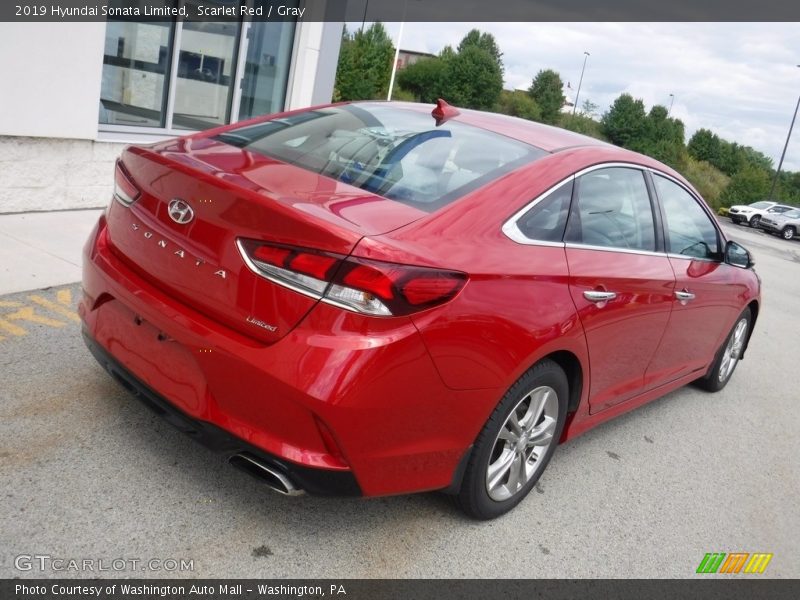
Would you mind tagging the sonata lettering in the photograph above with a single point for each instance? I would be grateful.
(180, 252)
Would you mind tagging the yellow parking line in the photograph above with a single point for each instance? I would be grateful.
(56, 308)
(26, 314)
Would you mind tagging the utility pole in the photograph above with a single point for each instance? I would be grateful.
(783, 154)
(580, 81)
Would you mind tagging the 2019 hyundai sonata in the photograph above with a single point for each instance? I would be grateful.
(377, 298)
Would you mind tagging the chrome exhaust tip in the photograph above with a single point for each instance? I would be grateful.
(266, 474)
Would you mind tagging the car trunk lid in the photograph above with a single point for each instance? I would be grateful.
(235, 194)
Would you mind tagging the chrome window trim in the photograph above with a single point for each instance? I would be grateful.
(697, 258)
(513, 232)
(576, 246)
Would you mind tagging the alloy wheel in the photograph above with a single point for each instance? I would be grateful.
(733, 350)
(523, 440)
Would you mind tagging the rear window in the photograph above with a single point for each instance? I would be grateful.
(396, 153)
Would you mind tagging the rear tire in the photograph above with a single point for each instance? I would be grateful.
(728, 355)
(517, 442)
(788, 233)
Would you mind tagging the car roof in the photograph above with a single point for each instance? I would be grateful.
(546, 137)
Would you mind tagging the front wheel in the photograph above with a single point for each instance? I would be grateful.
(728, 356)
(754, 221)
(516, 443)
(788, 233)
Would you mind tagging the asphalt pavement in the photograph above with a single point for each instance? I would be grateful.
(86, 472)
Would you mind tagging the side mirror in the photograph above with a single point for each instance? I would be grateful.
(738, 256)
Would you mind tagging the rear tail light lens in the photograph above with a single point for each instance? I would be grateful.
(124, 189)
(361, 285)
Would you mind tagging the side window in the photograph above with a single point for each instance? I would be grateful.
(612, 209)
(689, 230)
(546, 220)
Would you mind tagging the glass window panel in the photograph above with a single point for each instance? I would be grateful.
(613, 210)
(394, 152)
(135, 67)
(266, 68)
(548, 217)
(689, 229)
(206, 70)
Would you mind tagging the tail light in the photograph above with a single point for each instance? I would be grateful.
(124, 189)
(362, 285)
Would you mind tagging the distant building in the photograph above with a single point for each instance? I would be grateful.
(569, 99)
(74, 94)
(409, 57)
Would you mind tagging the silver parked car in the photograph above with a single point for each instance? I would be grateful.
(787, 224)
(753, 213)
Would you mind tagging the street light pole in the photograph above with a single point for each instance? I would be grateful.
(785, 146)
(672, 99)
(397, 51)
(580, 81)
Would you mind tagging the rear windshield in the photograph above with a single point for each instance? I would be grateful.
(396, 153)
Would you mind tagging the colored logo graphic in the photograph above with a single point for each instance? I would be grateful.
(735, 562)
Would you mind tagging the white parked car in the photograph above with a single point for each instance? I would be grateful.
(752, 213)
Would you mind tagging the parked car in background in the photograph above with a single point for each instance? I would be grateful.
(753, 213)
(786, 224)
(377, 298)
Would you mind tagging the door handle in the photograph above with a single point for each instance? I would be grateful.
(684, 296)
(598, 296)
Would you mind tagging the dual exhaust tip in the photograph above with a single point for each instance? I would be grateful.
(266, 474)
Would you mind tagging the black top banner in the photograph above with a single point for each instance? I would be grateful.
(402, 10)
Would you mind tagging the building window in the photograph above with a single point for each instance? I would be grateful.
(170, 76)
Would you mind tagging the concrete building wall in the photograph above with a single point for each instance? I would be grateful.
(51, 79)
(55, 173)
(52, 155)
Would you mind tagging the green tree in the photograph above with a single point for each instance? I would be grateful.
(705, 145)
(749, 184)
(470, 76)
(625, 123)
(474, 79)
(581, 123)
(589, 108)
(365, 64)
(547, 90)
(518, 104)
(485, 41)
(426, 79)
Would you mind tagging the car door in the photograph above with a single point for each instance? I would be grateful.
(620, 279)
(704, 303)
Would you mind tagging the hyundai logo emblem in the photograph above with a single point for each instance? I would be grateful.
(180, 211)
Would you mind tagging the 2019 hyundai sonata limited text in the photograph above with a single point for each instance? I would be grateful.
(374, 298)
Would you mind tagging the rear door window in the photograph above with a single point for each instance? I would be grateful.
(546, 220)
(612, 209)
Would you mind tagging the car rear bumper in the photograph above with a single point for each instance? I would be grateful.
(338, 407)
(315, 481)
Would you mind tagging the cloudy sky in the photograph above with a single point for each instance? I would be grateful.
(738, 79)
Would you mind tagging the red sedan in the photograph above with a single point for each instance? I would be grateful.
(373, 298)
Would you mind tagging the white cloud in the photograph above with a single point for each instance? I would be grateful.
(737, 79)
